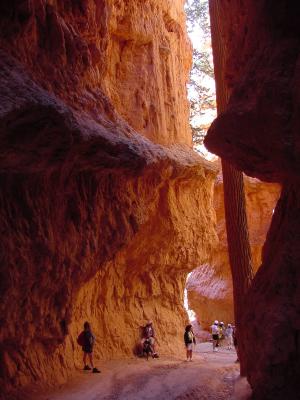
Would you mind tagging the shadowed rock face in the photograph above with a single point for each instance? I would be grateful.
(98, 222)
(210, 286)
(259, 134)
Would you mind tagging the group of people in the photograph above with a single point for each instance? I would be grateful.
(222, 333)
(219, 331)
(148, 341)
(86, 340)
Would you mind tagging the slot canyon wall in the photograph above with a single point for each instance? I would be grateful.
(104, 206)
(135, 52)
(209, 287)
(259, 134)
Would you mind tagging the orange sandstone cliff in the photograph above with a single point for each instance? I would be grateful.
(100, 220)
(134, 52)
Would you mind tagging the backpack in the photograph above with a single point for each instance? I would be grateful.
(81, 339)
(190, 337)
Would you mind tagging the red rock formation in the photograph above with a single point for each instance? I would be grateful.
(98, 222)
(262, 45)
(136, 52)
(210, 295)
(259, 134)
(210, 286)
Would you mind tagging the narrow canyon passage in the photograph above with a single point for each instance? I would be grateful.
(105, 207)
(211, 376)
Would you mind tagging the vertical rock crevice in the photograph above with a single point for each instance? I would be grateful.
(234, 196)
(210, 292)
(258, 133)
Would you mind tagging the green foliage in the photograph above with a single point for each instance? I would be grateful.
(202, 64)
(197, 14)
(201, 98)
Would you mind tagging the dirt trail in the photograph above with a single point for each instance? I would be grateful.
(210, 376)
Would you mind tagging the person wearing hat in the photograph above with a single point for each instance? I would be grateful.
(215, 334)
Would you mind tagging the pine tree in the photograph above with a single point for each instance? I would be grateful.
(234, 196)
(201, 96)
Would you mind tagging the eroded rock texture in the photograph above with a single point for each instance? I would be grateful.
(98, 222)
(259, 134)
(262, 44)
(136, 52)
(210, 286)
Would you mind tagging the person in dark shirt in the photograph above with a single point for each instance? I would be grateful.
(87, 340)
(189, 340)
(149, 335)
(235, 343)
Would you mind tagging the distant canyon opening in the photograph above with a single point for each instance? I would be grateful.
(209, 287)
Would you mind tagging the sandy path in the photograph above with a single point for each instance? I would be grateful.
(211, 376)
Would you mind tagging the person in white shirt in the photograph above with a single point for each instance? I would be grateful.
(229, 336)
(215, 334)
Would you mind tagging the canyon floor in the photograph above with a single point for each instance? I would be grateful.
(210, 376)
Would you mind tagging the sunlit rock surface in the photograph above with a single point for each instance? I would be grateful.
(99, 221)
(137, 53)
(259, 133)
(210, 285)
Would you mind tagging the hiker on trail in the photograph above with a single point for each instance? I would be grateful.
(229, 336)
(221, 329)
(189, 340)
(86, 340)
(215, 334)
(148, 334)
(235, 343)
(221, 333)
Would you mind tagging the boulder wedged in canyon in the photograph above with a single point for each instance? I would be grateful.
(99, 223)
(209, 287)
(259, 134)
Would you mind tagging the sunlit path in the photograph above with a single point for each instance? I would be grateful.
(210, 376)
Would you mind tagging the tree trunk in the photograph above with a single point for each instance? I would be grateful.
(234, 195)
